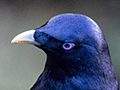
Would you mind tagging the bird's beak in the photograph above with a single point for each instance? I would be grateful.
(25, 37)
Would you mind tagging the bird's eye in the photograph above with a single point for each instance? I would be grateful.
(68, 46)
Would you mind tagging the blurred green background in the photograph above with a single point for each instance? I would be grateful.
(21, 64)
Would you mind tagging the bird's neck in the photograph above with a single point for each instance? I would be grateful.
(58, 73)
(81, 81)
(59, 69)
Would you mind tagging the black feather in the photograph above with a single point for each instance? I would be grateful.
(83, 64)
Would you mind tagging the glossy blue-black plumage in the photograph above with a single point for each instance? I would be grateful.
(87, 66)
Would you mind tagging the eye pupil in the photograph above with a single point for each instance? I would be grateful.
(67, 45)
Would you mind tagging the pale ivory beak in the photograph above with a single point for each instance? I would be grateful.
(25, 37)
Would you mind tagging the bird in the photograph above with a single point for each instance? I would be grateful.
(78, 56)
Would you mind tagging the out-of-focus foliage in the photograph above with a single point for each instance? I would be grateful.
(20, 64)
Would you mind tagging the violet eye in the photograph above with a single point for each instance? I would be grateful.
(68, 46)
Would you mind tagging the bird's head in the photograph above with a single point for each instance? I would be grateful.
(77, 54)
(67, 38)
